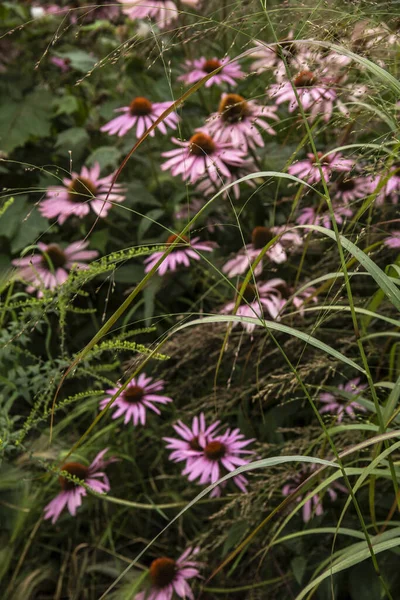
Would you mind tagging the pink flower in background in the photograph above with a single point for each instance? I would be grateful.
(309, 216)
(141, 114)
(182, 254)
(202, 155)
(49, 269)
(222, 454)
(80, 193)
(260, 238)
(265, 297)
(192, 440)
(316, 94)
(313, 506)
(335, 403)
(391, 189)
(72, 493)
(162, 11)
(169, 577)
(237, 120)
(351, 189)
(64, 64)
(139, 395)
(308, 169)
(200, 67)
(393, 241)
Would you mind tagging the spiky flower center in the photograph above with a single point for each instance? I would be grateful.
(81, 189)
(76, 470)
(249, 293)
(140, 107)
(215, 450)
(182, 239)
(194, 443)
(346, 185)
(210, 65)
(233, 108)
(162, 571)
(201, 144)
(133, 394)
(260, 237)
(53, 257)
(305, 79)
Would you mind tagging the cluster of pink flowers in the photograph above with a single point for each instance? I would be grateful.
(223, 149)
(209, 454)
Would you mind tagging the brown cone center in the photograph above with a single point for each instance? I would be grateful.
(215, 450)
(260, 237)
(346, 185)
(194, 443)
(201, 144)
(133, 394)
(162, 571)
(53, 257)
(182, 239)
(81, 189)
(210, 65)
(76, 470)
(249, 294)
(305, 79)
(233, 108)
(140, 107)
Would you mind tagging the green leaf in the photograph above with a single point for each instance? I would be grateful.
(80, 60)
(298, 565)
(66, 105)
(364, 584)
(74, 139)
(23, 224)
(24, 120)
(106, 156)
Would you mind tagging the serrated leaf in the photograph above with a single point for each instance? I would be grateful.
(24, 120)
(106, 156)
(74, 140)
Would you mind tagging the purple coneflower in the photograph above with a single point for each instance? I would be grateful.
(298, 299)
(162, 11)
(202, 155)
(139, 395)
(221, 454)
(309, 216)
(260, 238)
(72, 493)
(141, 113)
(193, 439)
(81, 193)
(313, 506)
(268, 57)
(393, 241)
(309, 170)
(200, 67)
(237, 120)
(351, 189)
(180, 255)
(391, 189)
(340, 405)
(49, 269)
(265, 297)
(316, 94)
(169, 577)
